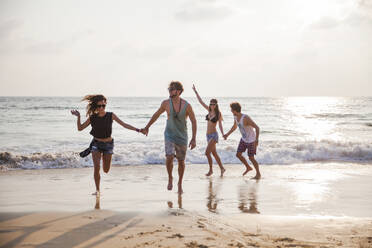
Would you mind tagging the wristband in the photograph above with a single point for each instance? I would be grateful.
(137, 130)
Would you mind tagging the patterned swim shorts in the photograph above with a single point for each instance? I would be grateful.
(244, 146)
(212, 136)
(172, 149)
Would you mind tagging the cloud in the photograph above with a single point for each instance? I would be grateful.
(213, 52)
(325, 23)
(57, 46)
(8, 27)
(204, 11)
(365, 4)
(148, 51)
(358, 17)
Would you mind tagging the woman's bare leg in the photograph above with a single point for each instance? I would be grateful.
(208, 152)
(218, 160)
(106, 162)
(96, 156)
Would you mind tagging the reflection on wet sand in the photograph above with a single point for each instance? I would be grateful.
(179, 201)
(212, 199)
(98, 205)
(248, 195)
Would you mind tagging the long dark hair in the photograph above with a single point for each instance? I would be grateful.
(92, 103)
(216, 109)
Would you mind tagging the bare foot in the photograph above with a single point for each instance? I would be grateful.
(209, 173)
(247, 170)
(257, 177)
(97, 193)
(180, 191)
(222, 171)
(170, 185)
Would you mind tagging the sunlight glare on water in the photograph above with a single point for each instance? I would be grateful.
(309, 116)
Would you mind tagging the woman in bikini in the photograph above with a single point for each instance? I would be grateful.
(102, 145)
(214, 115)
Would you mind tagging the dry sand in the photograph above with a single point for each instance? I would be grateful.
(178, 228)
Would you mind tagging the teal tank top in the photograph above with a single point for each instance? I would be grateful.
(176, 128)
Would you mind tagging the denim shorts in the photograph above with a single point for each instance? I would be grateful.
(103, 147)
(212, 136)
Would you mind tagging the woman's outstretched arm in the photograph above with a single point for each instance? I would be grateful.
(220, 124)
(199, 98)
(123, 124)
(80, 126)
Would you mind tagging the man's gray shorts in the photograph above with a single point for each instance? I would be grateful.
(176, 150)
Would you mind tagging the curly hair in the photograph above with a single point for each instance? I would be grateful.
(177, 85)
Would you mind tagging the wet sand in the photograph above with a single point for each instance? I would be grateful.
(311, 205)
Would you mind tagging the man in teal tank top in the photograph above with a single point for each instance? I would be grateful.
(175, 134)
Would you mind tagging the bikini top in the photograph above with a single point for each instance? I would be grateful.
(214, 119)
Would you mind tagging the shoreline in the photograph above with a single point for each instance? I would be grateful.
(291, 206)
(309, 190)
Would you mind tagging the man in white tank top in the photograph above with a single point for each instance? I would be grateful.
(249, 141)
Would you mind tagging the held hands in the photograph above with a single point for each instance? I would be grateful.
(225, 136)
(192, 144)
(144, 131)
(75, 112)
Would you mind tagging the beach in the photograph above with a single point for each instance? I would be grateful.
(307, 205)
(314, 154)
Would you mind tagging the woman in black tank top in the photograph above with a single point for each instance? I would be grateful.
(213, 116)
(102, 145)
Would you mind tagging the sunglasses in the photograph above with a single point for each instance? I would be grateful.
(101, 106)
(171, 89)
(212, 104)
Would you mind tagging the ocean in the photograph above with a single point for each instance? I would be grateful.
(41, 133)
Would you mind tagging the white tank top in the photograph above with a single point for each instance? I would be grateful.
(248, 132)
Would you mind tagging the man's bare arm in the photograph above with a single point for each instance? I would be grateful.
(191, 115)
(233, 128)
(155, 116)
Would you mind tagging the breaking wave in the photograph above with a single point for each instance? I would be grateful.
(141, 154)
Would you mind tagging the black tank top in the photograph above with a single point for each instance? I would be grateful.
(101, 126)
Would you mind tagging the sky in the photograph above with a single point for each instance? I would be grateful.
(225, 47)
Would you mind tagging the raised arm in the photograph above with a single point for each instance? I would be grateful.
(233, 128)
(199, 98)
(154, 117)
(191, 115)
(220, 124)
(80, 126)
(123, 124)
(249, 122)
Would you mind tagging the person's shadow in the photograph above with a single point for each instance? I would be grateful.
(212, 200)
(248, 195)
